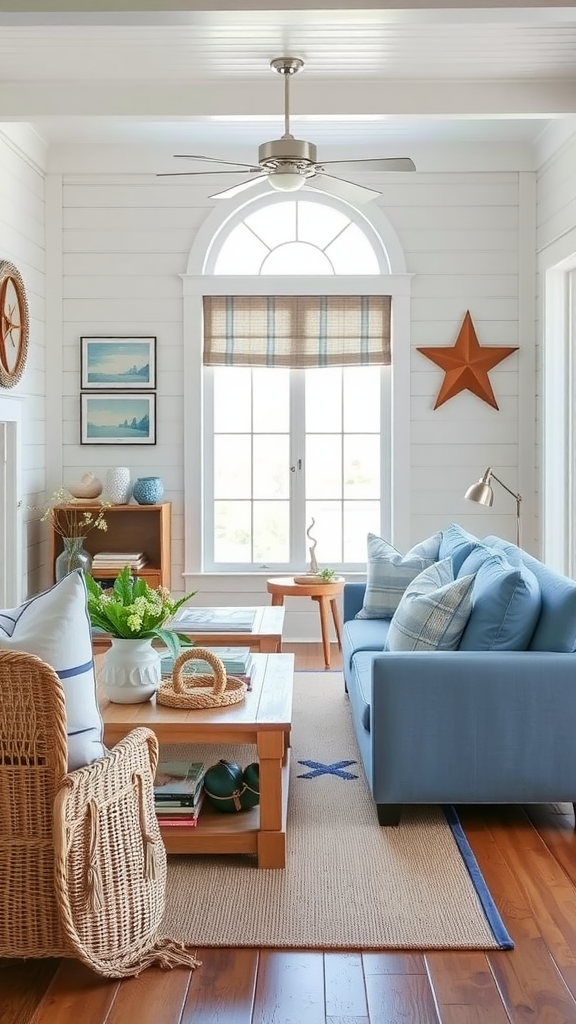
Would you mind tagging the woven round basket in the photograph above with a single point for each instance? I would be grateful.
(201, 690)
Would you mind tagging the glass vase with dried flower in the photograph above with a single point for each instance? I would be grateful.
(72, 523)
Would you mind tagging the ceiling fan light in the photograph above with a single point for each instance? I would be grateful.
(286, 181)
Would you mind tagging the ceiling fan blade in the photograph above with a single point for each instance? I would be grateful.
(187, 174)
(403, 163)
(348, 190)
(234, 190)
(214, 160)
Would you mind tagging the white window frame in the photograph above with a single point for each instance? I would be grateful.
(396, 407)
(298, 543)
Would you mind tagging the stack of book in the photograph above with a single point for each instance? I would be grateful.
(178, 792)
(114, 561)
(237, 661)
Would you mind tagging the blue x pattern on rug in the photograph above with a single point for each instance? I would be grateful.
(318, 769)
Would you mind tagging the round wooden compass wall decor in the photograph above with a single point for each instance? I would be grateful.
(14, 325)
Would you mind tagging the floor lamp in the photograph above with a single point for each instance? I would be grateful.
(482, 493)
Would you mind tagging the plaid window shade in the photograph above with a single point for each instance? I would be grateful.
(297, 331)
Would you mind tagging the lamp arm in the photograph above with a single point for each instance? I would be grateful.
(518, 498)
(513, 493)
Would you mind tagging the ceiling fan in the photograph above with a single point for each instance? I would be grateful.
(288, 163)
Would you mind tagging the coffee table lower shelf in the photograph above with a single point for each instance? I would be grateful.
(262, 720)
(233, 833)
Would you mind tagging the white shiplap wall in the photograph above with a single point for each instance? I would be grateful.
(126, 239)
(460, 235)
(22, 240)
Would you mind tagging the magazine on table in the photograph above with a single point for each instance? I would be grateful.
(214, 620)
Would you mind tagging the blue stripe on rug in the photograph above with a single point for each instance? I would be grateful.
(489, 907)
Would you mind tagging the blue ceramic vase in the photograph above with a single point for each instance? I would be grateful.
(148, 490)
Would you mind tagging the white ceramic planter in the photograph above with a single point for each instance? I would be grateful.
(130, 672)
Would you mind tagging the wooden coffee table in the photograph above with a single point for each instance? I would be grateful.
(263, 718)
(265, 637)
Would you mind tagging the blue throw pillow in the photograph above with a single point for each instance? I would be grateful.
(506, 603)
(457, 544)
(388, 573)
(433, 612)
(556, 626)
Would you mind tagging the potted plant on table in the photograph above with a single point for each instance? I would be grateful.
(133, 614)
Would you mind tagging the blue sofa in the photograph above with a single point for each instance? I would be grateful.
(467, 726)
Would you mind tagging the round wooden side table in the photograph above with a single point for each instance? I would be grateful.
(326, 594)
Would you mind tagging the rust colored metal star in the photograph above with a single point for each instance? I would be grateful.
(466, 364)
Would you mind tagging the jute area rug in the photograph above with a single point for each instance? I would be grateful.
(348, 883)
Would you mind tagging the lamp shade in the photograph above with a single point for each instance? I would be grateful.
(286, 181)
(481, 493)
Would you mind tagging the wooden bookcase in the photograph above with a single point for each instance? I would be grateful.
(130, 528)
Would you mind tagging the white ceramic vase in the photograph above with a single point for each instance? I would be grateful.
(130, 672)
(118, 487)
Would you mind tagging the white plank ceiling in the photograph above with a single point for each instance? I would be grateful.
(456, 74)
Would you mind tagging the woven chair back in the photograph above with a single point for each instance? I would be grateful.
(33, 762)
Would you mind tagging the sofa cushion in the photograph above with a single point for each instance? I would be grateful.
(55, 626)
(457, 544)
(389, 573)
(364, 635)
(433, 612)
(505, 603)
(556, 626)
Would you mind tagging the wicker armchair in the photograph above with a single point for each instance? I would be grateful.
(82, 862)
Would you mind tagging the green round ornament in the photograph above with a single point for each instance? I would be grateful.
(250, 795)
(223, 786)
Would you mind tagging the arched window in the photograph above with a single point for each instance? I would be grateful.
(297, 236)
(283, 446)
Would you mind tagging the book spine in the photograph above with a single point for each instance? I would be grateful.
(166, 801)
(182, 822)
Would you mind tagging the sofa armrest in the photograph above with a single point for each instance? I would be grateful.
(470, 726)
(353, 599)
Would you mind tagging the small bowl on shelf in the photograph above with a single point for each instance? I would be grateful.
(88, 487)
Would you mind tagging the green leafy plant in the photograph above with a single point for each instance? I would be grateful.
(327, 574)
(132, 610)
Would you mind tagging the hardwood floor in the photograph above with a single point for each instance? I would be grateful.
(528, 858)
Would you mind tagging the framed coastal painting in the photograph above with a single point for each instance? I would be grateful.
(115, 418)
(116, 362)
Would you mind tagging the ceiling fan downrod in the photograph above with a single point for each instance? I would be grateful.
(300, 155)
(287, 66)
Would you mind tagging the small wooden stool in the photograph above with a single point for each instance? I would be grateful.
(325, 594)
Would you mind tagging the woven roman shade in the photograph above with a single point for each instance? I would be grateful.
(296, 331)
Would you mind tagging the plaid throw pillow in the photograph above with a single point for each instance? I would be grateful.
(433, 612)
(389, 573)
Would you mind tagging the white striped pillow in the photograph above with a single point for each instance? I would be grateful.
(55, 626)
(433, 612)
(388, 574)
